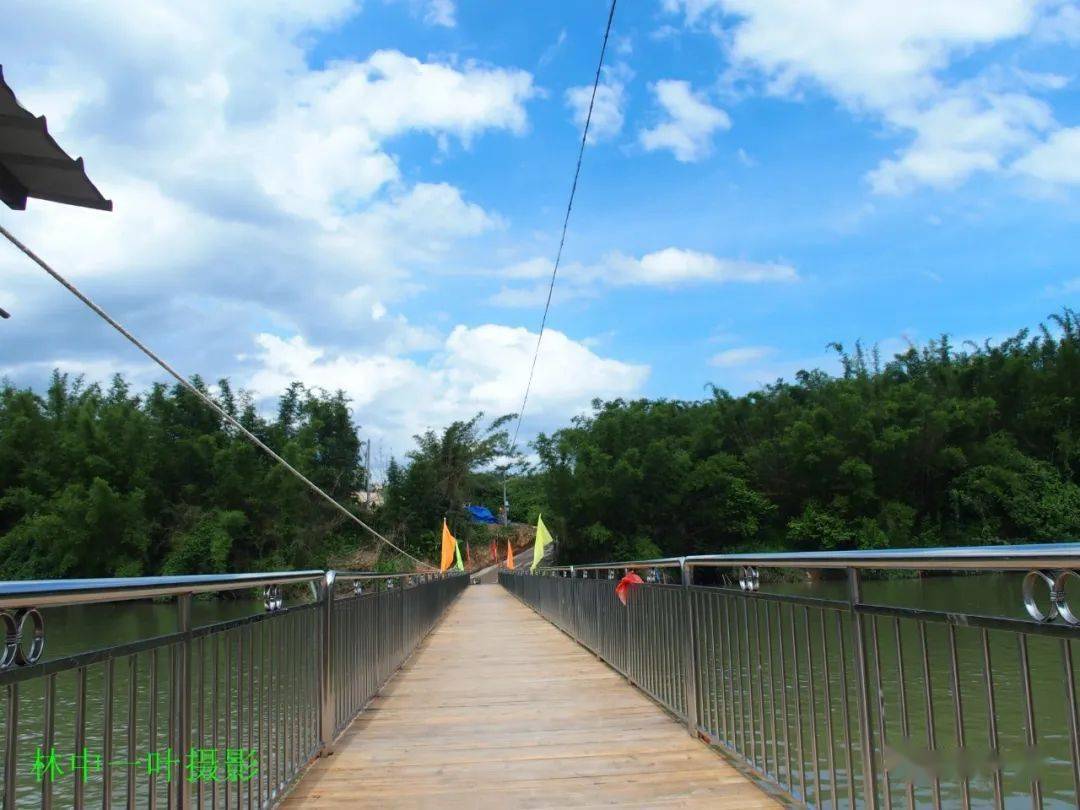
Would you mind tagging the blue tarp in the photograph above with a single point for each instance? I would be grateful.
(481, 514)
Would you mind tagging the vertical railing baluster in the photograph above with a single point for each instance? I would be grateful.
(931, 731)
(1031, 735)
(845, 712)
(828, 708)
(772, 687)
(991, 722)
(738, 728)
(249, 632)
(1070, 712)
(905, 722)
(132, 730)
(862, 689)
(750, 682)
(215, 681)
(182, 688)
(813, 709)
(48, 712)
(107, 734)
(716, 667)
(690, 662)
(200, 728)
(11, 747)
(796, 682)
(239, 745)
(227, 724)
(958, 714)
(886, 785)
(80, 734)
(783, 695)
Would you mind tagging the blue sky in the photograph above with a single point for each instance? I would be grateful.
(368, 196)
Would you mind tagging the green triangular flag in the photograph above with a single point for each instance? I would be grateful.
(543, 538)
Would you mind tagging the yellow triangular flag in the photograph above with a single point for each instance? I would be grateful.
(543, 538)
(449, 545)
(457, 555)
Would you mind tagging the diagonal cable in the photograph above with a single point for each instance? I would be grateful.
(207, 400)
(566, 222)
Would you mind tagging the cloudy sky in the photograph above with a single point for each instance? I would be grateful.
(367, 195)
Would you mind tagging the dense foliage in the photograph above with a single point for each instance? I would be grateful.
(938, 446)
(443, 474)
(101, 482)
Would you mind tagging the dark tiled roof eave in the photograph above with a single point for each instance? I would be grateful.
(32, 164)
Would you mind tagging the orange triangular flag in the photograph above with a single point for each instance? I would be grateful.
(509, 555)
(448, 546)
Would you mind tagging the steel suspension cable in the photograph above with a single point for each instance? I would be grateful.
(202, 396)
(566, 222)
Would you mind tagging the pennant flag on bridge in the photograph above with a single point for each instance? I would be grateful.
(543, 540)
(449, 545)
(622, 590)
(457, 556)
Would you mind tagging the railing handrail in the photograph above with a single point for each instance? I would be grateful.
(41, 593)
(1014, 558)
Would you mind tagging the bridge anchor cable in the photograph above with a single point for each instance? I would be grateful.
(202, 396)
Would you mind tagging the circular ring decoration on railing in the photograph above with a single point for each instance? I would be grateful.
(11, 640)
(273, 600)
(749, 579)
(1058, 597)
(1032, 604)
(18, 626)
(37, 637)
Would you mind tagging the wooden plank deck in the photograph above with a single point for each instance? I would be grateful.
(498, 708)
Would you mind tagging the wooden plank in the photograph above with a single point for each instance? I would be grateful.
(498, 708)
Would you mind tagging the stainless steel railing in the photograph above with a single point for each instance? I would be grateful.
(842, 701)
(221, 715)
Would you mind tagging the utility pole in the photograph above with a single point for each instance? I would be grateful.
(506, 505)
(367, 475)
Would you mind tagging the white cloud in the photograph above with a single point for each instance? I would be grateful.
(890, 61)
(1056, 161)
(478, 368)
(667, 268)
(607, 116)
(1068, 287)
(691, 121)
(741, 356)
(959, 136)
(441, 12)
(673, 266)
(1062, 24)
(253, 192)
(552, 50)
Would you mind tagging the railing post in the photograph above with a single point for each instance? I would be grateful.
(326, 667)
(690, 648)
(181, 723)
(862, 689)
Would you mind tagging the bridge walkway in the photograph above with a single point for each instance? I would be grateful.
(498, 708)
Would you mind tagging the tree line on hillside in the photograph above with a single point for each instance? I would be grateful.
(98, 481)
(941, 445)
